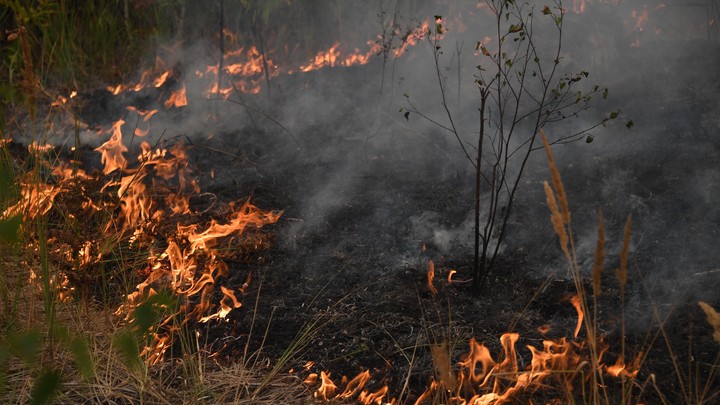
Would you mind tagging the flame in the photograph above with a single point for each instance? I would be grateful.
(177, 99)
(159, 81)
(353, 388)
(620, 369)
(112, 150)
(575, 301)
(431, 277)
(327, 387)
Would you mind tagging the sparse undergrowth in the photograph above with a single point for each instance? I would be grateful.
(68, 263)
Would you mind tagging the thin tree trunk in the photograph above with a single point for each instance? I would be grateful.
(479, 270)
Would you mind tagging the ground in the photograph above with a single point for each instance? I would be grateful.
(343, 282)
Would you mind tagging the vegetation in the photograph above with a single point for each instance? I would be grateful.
(54, 347)
(520, 89)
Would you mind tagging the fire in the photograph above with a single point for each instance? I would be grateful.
(354, 388)
(431, 277)
(327, 388)
(177, 98)
(575, 300)
(138, 196)
(112, 150)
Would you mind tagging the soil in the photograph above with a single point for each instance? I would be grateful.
(346, 271)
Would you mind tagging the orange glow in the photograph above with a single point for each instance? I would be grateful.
(177, 98)
(431, 277)
(353, 388)
(575, 301)
(112, 150)
(640, 19)
(578, 6)
(621, 369)
(159, 81)
(327, 387)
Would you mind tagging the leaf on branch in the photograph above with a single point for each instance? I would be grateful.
(515, 28)
(589, 139)
(484, 50)
(546, 10)
(407, 115)
(629, 124)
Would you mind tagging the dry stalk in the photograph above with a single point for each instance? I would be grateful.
(560, 217)
(557, 182)
(713, 318)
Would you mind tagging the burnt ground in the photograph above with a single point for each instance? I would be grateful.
(358, 266)
(347, 254)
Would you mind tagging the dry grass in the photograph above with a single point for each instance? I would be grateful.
(190, 377)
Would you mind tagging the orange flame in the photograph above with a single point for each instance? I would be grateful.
(112, 150)
(327, 387)
(431, 277)
(575, 301)
(177, 99)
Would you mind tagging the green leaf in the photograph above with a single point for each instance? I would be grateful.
(614, 115)
(45, 387)
(127, 345)
(9, 229)
(515, 28)
(546, 10)
(81, 353)
(26, 345)
(629, 124)
(143, 317)
(589, 139)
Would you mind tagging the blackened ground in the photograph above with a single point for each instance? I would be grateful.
(347, 274)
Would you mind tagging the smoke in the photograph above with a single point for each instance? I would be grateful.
(355, 172)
